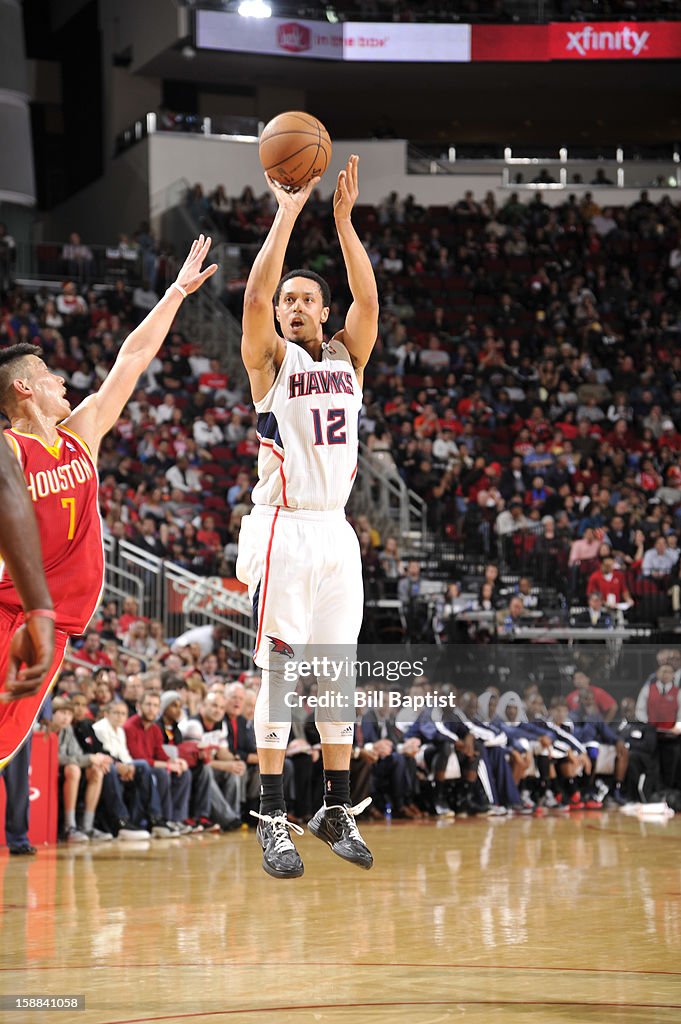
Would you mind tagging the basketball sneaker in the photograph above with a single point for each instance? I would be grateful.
(75, 835)
(22, 850)
(280, 859)
(337, 827)
(96, 835)
(129, 832)
(551, 803)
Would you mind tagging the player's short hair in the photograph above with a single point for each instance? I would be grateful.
(10, 358)
(310, 274)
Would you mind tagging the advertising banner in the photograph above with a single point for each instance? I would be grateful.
(577, 41)
(284, 37)
(614, 40)
(416, 43)
(43, 796)
(356, 41)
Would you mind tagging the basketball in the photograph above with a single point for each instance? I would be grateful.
(293, 148)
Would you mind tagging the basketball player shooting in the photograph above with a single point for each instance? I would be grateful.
(57, 450)
(298, 554)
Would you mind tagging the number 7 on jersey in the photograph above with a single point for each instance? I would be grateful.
(70, 504)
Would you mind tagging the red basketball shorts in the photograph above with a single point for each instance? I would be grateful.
(18, 717)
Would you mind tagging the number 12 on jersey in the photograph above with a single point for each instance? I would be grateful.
(335, 426)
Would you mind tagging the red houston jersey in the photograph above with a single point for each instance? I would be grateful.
(63, 484)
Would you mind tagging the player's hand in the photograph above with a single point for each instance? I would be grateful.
(236, 767)
(347, 190)
(383, 748)
(291, 200)
(191, 277)
(33, 648)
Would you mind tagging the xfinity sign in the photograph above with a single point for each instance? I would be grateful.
(606, 42)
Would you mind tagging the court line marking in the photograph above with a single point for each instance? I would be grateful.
(340, 963)
(397, 1003)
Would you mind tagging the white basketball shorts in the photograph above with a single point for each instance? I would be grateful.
(304, 575)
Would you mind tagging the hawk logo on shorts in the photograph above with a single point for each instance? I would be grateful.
(280, 647)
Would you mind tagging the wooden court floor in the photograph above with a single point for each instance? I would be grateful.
(537, 920)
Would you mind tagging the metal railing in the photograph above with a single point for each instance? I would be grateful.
(207, 320)
(537, 168)
(177, 597)
(381, 493)
(89, 264)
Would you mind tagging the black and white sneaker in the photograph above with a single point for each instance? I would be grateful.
(337, 827)
(280, 859)
(129, 832)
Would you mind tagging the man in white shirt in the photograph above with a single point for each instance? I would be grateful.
(163, 413)
(208, 637)
(183, 477)
(659, 561)
(512, 519)
(141, 793)
(445, 447)
(207, 431)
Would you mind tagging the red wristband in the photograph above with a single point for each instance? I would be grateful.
(40, 613)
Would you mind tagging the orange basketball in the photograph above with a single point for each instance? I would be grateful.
(293, 148)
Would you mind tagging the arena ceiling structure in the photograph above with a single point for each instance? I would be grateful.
(98, 65)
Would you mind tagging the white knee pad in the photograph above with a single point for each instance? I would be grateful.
(336, 733)
(270, 735)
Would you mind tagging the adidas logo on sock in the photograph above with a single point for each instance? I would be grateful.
(271, 737)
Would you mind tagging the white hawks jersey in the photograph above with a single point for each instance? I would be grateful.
(308, 431)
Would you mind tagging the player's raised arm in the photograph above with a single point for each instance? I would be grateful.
(361, 323)
(262, 348)
(33, 645)
(98, 413)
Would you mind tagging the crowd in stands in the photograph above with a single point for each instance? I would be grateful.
(163, 745)
(497, 12)
(526, 383)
